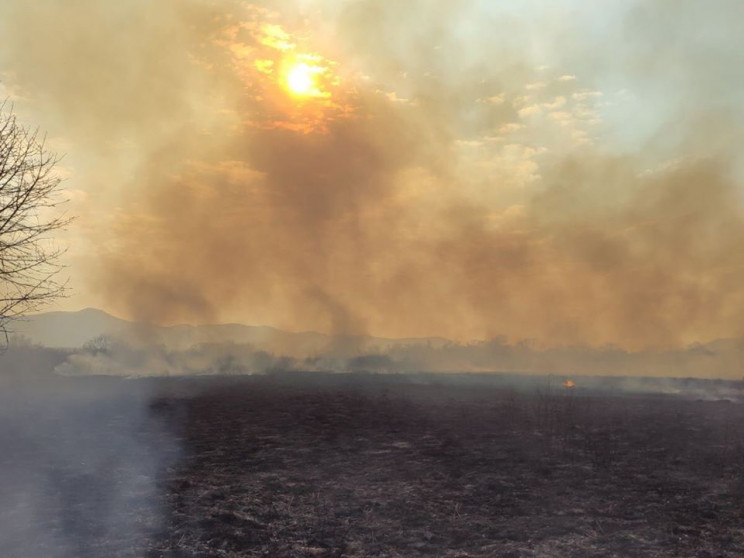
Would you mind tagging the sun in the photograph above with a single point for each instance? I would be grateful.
(301, 79)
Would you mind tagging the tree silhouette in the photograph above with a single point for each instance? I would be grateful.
(29, 215)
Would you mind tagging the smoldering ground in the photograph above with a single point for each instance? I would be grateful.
(101, 466)
(473, 172)
(323, 465)
(82, 460)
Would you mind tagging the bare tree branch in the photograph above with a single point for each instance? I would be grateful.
(29, 217)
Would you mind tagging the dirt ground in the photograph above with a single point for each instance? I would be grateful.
(281, 467)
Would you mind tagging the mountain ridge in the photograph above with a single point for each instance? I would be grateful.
(72, 329)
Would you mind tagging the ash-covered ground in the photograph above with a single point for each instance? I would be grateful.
(299, 465)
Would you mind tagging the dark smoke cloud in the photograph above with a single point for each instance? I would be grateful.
(478, 172)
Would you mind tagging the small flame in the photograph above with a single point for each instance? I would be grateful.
(569, 384)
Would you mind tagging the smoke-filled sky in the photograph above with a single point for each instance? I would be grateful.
(568, 172)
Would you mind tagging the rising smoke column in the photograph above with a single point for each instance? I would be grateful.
(474, 171)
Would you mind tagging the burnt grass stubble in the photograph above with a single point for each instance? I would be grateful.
(270, 466)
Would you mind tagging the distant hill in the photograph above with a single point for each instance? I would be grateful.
(241, 345)
(68, 329)
(73, 329)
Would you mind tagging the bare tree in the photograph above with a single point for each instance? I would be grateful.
(29, 216)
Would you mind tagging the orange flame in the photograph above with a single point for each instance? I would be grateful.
(569, 384)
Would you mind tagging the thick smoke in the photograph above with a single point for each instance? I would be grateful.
(555, 174)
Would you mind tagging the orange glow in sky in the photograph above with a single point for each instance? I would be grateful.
(302, 80)
(298, 88)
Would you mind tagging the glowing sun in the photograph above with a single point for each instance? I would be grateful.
(301, 79)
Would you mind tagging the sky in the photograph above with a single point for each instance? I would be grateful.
(562, 172)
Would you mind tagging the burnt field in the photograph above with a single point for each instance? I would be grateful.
(302, 465)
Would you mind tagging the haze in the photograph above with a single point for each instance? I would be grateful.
(567, 172)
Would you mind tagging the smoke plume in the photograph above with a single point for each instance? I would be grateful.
(468, 170)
